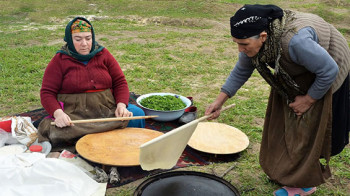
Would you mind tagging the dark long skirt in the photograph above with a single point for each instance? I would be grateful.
(292, 146)
(341, 118)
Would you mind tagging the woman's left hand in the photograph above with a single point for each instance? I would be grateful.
(121, 111)
(301, 104)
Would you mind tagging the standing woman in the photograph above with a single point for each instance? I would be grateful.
(83, 81)
(307, 116)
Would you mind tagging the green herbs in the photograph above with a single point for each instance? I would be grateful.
(163, 103)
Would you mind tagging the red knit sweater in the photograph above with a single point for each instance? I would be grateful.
(66, 75)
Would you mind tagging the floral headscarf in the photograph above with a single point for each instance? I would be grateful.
(80, 26)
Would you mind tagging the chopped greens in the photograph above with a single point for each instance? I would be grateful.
(163, 103)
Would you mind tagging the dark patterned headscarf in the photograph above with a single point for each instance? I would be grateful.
(251, 20)
(69, 48)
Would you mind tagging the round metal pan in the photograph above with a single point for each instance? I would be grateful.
(180, 183)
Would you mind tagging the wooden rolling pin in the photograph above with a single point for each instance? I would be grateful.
(108, 119)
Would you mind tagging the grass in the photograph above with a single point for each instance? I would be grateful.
(180, 47)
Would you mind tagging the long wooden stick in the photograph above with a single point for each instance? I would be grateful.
(108, 119)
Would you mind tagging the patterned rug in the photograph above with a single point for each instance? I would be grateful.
(189, 157)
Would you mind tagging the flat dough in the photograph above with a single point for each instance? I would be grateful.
(119, 147)
(164, 151)
(218, 138)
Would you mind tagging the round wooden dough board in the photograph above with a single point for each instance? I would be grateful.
(218, 138)
(119, 147)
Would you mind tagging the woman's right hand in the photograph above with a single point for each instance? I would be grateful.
(213, 109)
(62, 119)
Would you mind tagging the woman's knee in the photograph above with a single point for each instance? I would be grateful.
(135, 110)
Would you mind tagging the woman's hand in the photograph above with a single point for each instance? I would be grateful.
(62, 119)
(121, 111)
(301, 104)
(213, 109)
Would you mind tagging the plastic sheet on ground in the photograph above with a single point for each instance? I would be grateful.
(33, 174)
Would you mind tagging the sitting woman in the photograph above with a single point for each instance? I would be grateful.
(83, 81)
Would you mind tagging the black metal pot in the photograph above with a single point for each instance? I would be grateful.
(185, 183)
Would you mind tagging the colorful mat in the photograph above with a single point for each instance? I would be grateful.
(189, 157)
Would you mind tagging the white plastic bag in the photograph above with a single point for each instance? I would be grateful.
(77, 161)
(23, 130)
(6, 138)
(3, 137)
